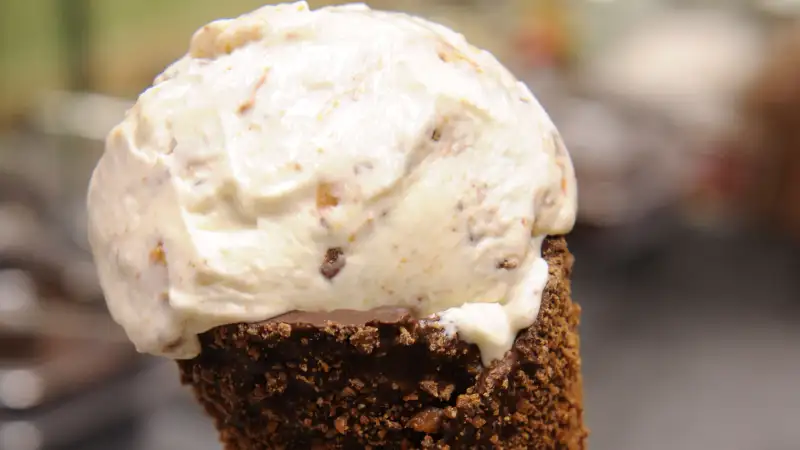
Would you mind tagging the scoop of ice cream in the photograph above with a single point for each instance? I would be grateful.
(342, 158)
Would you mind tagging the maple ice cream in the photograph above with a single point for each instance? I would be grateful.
(314, 161)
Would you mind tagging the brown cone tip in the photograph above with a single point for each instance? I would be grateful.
(384, 380)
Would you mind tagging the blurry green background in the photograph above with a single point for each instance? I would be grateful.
(128, 42)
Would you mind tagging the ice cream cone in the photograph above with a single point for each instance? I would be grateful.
(386, 380)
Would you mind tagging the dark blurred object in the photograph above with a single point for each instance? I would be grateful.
(769, 147)
(649, 110)
(72, 391)
(54, 351)
(67, 372)
(668, 87)
(44, 174)
(51, 354)
(32, 240)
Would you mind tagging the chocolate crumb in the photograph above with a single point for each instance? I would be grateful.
(427, 421)
(404, 337)
(357, 384)
(365, 340)
(284, 330)
(546, 247)
(436, 390)
(341, 425)
(332, 263)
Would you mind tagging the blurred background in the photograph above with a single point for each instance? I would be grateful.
(683, 120)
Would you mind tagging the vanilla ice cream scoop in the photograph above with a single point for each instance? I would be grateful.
(342, 158)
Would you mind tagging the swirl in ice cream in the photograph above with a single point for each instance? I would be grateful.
(341, 158)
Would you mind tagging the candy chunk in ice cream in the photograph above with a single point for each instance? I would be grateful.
(341, 158)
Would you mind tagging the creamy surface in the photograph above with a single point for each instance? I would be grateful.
(342, 158)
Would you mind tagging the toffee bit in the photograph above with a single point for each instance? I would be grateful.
(332, 263)
(426, 421)
(158, 255)
(450, 54)
(341, 424)
(436, 134)
(508, 264)
(251, 101)
(325, 196)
